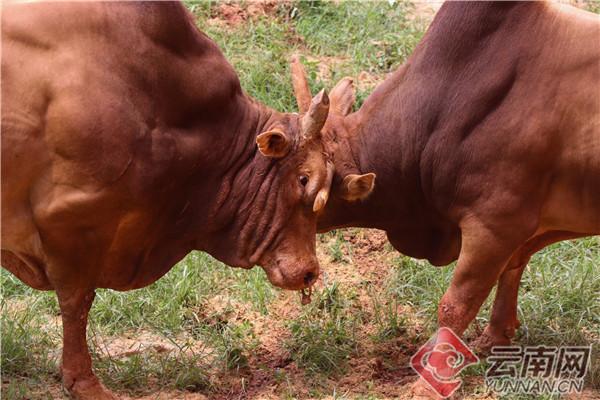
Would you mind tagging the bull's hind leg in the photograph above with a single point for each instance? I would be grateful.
(77, 374)
(503, 319)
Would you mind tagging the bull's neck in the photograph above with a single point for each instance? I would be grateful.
(393, 131)
(241, 191)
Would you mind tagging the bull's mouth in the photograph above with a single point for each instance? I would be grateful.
(289, 277)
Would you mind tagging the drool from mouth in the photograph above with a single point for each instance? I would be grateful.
(305, 296)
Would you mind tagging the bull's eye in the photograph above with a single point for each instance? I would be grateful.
(303, 180)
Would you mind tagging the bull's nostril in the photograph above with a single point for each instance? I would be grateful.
(309, 278)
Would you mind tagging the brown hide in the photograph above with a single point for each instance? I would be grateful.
(486, 148)
(498, 103)
(126, 143)
(135, 143)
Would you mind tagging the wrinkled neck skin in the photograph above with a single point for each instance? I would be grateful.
(244, 210)
(394, 133)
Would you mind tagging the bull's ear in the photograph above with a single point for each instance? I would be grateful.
(357, 187)
(273, 143)
(343, 96)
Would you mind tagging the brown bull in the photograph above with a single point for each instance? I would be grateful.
(486, 148)
(127, 142)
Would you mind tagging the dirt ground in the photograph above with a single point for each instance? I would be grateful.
(379, 371)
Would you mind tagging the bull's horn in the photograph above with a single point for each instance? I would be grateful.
(315, 117)
(300, 84)
(323, 194)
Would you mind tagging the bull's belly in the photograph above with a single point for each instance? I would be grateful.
(86, 244)
(572, 202)
(132, 271)
(438, 246)
(53, 232)
(123, 268)
(573, 205)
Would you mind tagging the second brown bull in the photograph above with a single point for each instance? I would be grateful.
(485, 146)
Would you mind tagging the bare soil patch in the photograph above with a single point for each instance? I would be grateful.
(235, 13)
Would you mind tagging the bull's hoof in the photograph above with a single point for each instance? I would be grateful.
(420, 390)
(91, 389)
(488, 339)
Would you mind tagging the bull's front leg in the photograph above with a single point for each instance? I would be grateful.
(484, 255)
(78, 377)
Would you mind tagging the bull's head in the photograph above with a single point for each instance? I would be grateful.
(349, 185)
(293, 143)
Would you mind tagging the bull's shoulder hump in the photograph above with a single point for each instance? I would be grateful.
(127, 24)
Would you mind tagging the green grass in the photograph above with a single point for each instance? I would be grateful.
(592, 5)
(323, 337)
(387, 317)
(374, 37)
(558, 299)
(558, 296)
(141, 373)
(211, 314)
(25, 340)
(164, 305)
